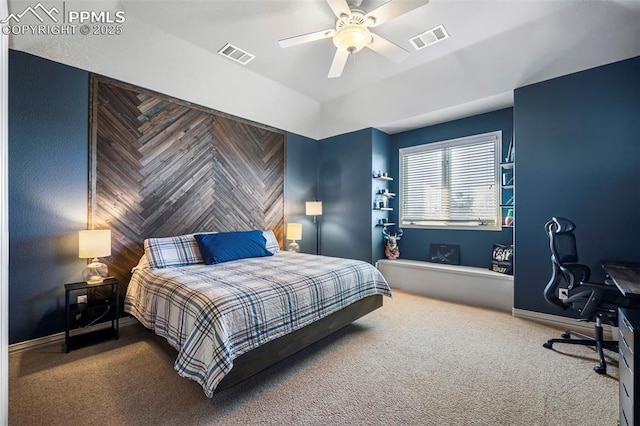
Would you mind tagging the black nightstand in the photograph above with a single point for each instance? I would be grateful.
(101, 304)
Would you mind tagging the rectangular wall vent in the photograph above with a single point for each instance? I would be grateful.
(236, 54)
(429, 37)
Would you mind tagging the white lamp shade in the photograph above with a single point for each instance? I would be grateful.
(314, 208)
(94, 243)
(294, 231)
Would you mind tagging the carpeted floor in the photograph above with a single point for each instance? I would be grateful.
(415, 361)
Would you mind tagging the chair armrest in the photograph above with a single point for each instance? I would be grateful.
(596, 299)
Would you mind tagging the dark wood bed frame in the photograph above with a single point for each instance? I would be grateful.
(256, 360)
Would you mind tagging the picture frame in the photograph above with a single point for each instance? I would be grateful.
(448, 254)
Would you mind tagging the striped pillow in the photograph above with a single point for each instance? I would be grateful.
(172, 251)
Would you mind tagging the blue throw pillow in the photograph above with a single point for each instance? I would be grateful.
(227, 246)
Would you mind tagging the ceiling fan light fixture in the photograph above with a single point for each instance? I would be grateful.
(352, 38)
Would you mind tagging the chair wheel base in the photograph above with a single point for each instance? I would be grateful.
(566, 336)
(548, 345)
(600, 369)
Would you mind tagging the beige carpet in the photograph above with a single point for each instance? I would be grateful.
(415, 361)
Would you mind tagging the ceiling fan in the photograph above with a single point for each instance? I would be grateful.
(352, 34)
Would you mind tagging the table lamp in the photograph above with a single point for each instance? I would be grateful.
(93, 244)
(294, 232)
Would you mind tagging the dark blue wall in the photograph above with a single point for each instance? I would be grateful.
(342, 168)
(381, 153)
(578, 156)
(475, 246)
(48, 174)
(344, 183)
(301, 185)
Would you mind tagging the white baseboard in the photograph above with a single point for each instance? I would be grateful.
(610, 333)
(59, 337)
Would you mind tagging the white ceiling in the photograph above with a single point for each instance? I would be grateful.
(494, 47)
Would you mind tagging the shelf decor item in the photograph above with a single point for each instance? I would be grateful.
(92, 244)
(391, 249)
(294, 232)
(508, 220)
(511, 152)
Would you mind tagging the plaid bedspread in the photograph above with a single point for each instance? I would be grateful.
(213, 314)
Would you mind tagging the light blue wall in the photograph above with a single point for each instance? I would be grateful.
(475, 246)
(578, 156)
(48, 174)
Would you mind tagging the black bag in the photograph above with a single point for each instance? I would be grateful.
(502, 259)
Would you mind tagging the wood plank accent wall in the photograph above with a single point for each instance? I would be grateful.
(160, 166)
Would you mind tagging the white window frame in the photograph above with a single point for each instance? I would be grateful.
(484, 137)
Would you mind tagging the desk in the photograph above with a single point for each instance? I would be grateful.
(625, 275)
(629, 338)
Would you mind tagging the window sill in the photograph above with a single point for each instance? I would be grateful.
(456, 227)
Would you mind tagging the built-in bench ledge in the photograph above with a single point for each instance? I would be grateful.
(462, 284)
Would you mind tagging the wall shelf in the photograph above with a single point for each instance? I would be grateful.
(507, 192)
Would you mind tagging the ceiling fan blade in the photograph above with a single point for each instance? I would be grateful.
(339, 61)
(388, 49)
(306, 38)
(392, 9)
(339, 7)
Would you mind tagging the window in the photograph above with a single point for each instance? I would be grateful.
(451, 184)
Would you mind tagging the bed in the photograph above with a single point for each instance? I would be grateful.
(230, 319)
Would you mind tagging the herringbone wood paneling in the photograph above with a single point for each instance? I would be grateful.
(162, 167)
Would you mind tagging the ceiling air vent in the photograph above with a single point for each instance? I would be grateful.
(429, 37)
(235, 54)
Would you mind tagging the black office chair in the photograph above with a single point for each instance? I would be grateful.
(593, 301)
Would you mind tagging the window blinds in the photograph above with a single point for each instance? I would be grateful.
(452, 183)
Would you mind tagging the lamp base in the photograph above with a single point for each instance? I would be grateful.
(293, 247)
(95, 272)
